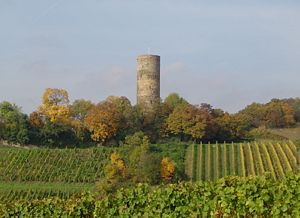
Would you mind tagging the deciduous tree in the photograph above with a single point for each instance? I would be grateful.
(103, 121)
(14, 124)
(78, 112)
(55, 105)
(130, 119)
(36, 120)
(80, 108)
(188, 120)
(173, 100)
(167, 169)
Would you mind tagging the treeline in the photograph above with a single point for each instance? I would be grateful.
(57, 122)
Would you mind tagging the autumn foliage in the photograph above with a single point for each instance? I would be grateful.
(102, 121)
(55, 105)
(167, 169)
(57, 122)
(36, 120)
(190, 120)
(119, 164)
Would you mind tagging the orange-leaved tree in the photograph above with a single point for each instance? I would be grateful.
(36, 120)
(129, 119)
(102, 121)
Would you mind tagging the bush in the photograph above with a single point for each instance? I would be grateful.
(137, 139)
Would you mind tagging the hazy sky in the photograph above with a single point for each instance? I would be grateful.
(226, 53)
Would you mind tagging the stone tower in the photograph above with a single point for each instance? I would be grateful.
(148, 81)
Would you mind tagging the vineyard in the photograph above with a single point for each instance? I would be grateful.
(54, 178)
(38, 173)
(52, 165)
(30, 191)
(42, 173)
(213, 161)
(229, 197)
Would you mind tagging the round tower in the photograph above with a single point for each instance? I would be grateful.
(148, 81)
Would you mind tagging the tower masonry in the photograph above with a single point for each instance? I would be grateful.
(148, 81)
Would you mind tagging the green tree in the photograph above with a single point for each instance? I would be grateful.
(255, 114)
(173, 100)
(129, 119)
(144, 166)
(14, 124)
(154, 122)
(80, 108)
(137, 139)
(189, 120)
(78, 112)
(232, 127)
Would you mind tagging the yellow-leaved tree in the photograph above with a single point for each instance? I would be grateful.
(102, 121)
(167, 169)
(119, 164)
(116, 175)
(55, 105)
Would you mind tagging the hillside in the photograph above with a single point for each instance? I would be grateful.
(289, 133)
(52, 165)
(213, 161)
(37, 173)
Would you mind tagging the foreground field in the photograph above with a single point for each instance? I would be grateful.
(40, 173)
(230, 197)
(213, 161)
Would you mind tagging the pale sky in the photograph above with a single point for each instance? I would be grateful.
(225, 53)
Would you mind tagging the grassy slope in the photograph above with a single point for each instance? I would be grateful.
(290, 133)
